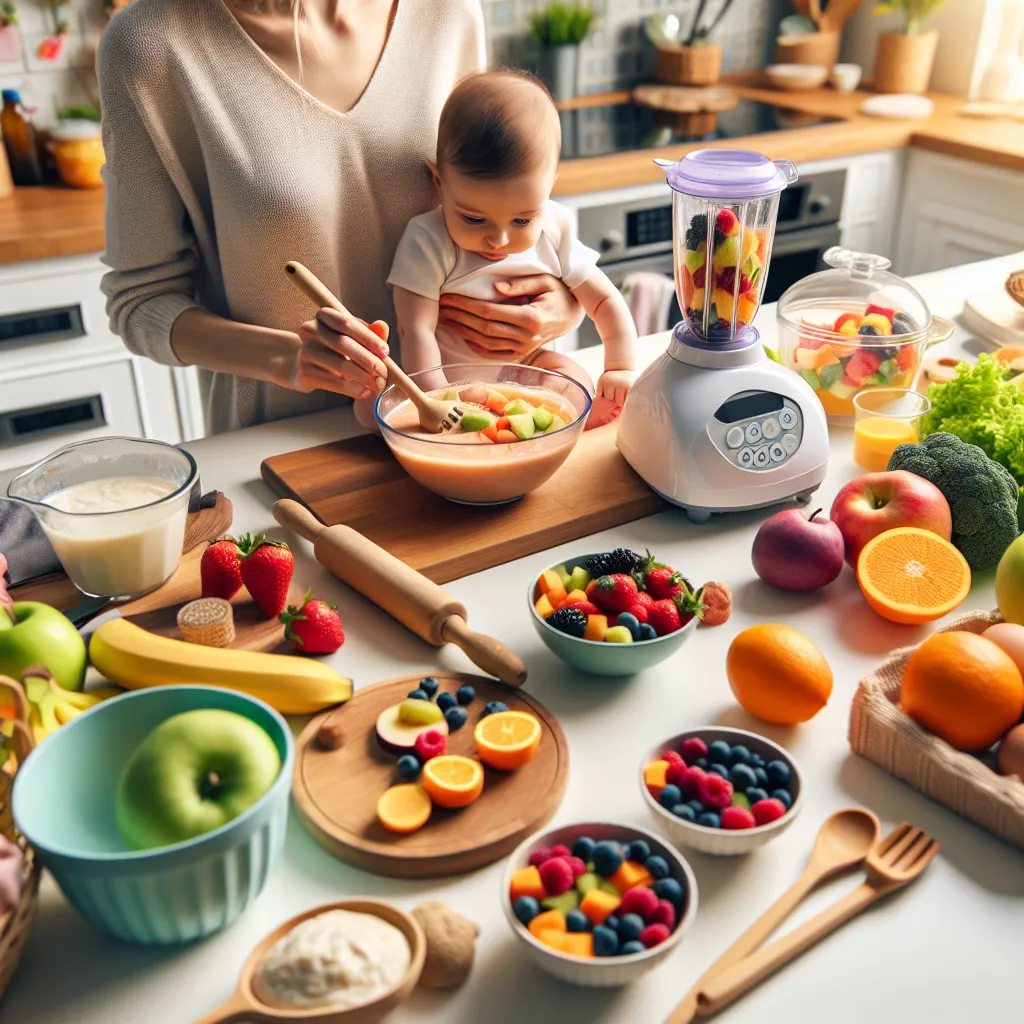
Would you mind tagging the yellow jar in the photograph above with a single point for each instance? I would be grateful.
(78, 152)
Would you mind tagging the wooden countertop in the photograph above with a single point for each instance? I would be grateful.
(49, 222)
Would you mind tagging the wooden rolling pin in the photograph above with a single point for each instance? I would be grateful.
(418, 603)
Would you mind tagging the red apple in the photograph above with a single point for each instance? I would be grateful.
(877, 502)
(794, 552)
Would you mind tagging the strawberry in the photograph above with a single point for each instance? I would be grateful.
(639, 611)
(614, 593)
(644, 600)
(315, 628)
(267, 567)
(663, 582)
(587, 607)
(220, 569)
(671, 613)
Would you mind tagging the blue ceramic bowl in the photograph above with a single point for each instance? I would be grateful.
(63, 802)
(600, 658)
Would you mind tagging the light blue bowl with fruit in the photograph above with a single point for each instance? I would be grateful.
(625, 655)
(68, 804)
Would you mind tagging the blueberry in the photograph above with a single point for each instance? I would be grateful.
(526, 908)
(638, 851)
(492, 708)
(465, 694)
(606, 942)
(719, 769)
(417, 695)
(762, 777)
(670, 889)
(779, 773)
(456, 718)
(782, 795)
(701, 762)
(408, 767)
(709, 820)
(867, 329)
(612, 921)
(718, 752)
(428, 684)
(631, 622)
(576, 921)
(739, 755)
(646, 632)
(684, 811)
(635, 946)
(756, 793)
(445, 701)
(757, 760)
(669, 797)
(742, 777)
(696, 806)
(630, 927)
(583, 848)
(657, 866)
(607, 858)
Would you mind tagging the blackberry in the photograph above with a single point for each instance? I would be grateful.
(568, 620)
(621, 560)
(697, 232)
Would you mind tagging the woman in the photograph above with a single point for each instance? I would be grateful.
(241, 134)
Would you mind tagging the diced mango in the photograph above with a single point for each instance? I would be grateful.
(491, 433)
(550, 583)
(579, 944)
(526, 882)
(496, 403)
(553, 920)
(825, 356)
(506, 437)
(544, 606)
(597, 905)
(597, 626)
(629, 875)
(655, 777)
(698, 299)
(747, 307)
(573, 595)
(750, 241)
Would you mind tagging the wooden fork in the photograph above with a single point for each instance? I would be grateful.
(892, 863)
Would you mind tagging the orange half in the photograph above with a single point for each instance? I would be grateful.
(452, 780)
(507, 739)
(909, 575)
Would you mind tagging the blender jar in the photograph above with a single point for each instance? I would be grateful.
(724, 207)
(855, 327)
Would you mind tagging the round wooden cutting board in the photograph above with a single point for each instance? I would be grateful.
(336, 791)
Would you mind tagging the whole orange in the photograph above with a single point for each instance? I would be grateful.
(962, 688)
(777, 674)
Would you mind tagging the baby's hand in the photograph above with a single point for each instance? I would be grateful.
(614, 385)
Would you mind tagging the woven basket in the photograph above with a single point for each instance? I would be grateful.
(1015, 286)
(688, 65)
(882, 733)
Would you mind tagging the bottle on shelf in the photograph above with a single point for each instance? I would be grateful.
(19, 135)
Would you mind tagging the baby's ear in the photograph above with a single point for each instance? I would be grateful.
(432, 167)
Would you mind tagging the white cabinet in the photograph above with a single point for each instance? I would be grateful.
(956, 211)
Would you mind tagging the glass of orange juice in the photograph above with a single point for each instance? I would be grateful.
(884, 419)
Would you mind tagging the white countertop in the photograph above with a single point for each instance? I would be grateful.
(947, 949)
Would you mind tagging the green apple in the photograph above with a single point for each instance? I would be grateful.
(33, 633)
(191, 774)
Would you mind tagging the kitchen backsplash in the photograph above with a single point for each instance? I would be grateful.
(617, 54)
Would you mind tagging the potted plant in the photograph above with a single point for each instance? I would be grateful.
(687, 58)
(903, 60)
(558, 30)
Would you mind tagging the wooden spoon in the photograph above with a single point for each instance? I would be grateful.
(244, 1005)
(436, 416)
(843, 841)
(838, 14)
(892, 863)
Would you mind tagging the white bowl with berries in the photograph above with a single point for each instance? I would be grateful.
(721, 791)
(598, 904)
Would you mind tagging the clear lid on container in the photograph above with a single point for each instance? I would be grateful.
(858, 280)
(728, 174)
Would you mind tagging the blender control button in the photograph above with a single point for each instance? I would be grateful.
(753, 433)
(787, 418)
(790, 443)
(734, 439)
(770, 428)
(745, 458)
(762, 457)
(777, 452)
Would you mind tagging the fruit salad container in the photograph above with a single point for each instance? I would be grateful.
(855, 327)
(602, 963)
(742, 756)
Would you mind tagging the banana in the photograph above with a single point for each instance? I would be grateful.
(50, 706)
(135, 659)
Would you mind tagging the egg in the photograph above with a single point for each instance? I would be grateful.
(1010, 757)
(1009, 637)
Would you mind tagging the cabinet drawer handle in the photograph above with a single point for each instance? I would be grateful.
(39, 325)
(71, 415)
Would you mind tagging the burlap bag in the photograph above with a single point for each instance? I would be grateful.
(883, 734)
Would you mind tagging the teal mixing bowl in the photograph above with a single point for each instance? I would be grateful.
(600, 658)
(63, 802)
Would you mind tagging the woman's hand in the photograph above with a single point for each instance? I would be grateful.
(513, 328)
(341, 353)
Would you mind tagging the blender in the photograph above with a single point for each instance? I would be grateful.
(713, 424)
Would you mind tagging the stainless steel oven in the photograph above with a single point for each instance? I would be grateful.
(637, 236)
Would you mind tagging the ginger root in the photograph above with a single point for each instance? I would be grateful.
(451, 945)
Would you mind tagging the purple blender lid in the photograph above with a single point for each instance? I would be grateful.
(732, 174)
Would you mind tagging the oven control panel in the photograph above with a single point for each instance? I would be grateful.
(757, 430)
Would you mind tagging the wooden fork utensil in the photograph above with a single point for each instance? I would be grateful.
(436, 416)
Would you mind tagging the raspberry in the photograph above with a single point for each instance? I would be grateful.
(556, 876)
(672, 757)
(638, 900)
(675, 773)
(714, 791)
(560, 850)
(664, 913)
(577, 865)
(765, 811)
(654, 934)
(737, 818)
(700, 276)
(538, 857)
(693, 748)
(726, 221)
(689, 783)
(431, 743)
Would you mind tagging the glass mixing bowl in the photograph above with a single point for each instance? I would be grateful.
(482, 474)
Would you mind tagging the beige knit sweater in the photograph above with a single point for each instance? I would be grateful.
(220, 169)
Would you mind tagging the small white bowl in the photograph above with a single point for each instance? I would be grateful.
(599, 971)
(796, 77)
(722, 842)
(845, 77)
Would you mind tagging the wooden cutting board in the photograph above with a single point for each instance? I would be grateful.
(336, 791)
(359, 483)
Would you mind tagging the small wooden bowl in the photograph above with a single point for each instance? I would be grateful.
(796, 77)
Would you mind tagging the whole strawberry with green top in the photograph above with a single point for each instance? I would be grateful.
(315, 628)
(267, 567)
(614, 593)
(220, 569)
(671, 613)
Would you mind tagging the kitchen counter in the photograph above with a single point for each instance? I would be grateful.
(50, 221)
(886, 966)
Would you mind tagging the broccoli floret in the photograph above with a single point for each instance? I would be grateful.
(982, 494)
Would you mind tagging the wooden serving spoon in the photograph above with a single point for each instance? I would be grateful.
(843, 841)
(436, 416)
(245, 1005)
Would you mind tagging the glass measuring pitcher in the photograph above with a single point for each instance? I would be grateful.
(114, 510)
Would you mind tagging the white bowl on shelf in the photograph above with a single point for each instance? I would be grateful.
(796, 77)
(845, 77)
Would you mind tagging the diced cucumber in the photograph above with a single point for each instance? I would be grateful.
(522, 425)
(812, 378)
(568, 900)
(518, 408)
(543, 418)
(476, 420)
(588, 881)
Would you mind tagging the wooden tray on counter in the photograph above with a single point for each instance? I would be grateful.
(359, 483)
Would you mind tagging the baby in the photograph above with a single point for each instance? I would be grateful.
(498, 144)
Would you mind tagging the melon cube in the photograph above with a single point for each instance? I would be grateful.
(655, 777)
(597, 626)
(544, 606)
(550, 583)
(598, 905)
(630, 874)
(573, 595)
(579, 944)
(526, 882)
(550, 920)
